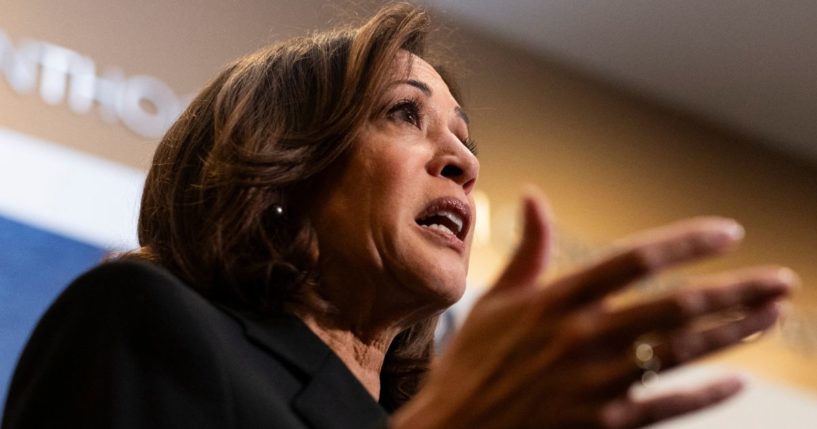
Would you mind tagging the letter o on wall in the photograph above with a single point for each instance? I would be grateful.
(139, 91)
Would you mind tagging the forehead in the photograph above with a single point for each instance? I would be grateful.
(410, 66)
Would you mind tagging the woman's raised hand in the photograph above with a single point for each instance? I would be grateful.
(559, 355)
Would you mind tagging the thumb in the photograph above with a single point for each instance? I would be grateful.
(530, 259)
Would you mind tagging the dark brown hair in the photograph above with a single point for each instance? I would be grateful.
(254, 140)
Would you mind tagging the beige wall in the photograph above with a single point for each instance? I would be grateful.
(182, 46)
(611, 163)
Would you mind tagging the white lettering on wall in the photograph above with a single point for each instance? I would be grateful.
(145, 105)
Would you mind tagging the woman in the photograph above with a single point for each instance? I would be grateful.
(303, 224)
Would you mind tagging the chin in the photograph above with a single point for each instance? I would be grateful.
(448, 280)
(435, 274)
(446, 291)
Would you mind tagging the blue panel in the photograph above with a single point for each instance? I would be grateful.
(35, 266)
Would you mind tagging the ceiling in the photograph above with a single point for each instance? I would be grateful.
(750, 65)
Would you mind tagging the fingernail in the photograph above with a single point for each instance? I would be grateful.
(725, 233)
(734, 230)
(788, 277)
(730, 386)
(743, 379)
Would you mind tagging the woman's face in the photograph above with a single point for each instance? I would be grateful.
(400, 217)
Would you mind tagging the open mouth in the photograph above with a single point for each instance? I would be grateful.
(447, 216)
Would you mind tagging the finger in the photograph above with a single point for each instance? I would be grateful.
(647, 253)
(685, 346)
(606, 339)
(750, 288)
(603, 376)
(616, 371)
(627, 413)
(622, 370)
(531, 257)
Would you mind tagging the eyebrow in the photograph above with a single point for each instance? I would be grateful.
(425, 89)
(422, 86)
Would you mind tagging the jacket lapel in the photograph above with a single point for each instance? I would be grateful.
(332, 398)
(335, 399)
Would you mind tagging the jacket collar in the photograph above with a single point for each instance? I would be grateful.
(332, 397)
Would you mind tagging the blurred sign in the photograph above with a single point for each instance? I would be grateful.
(145, 105)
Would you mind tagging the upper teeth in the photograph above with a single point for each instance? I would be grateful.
(454, 218)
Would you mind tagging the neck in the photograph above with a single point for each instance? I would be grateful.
(362, 352)
(360, 327)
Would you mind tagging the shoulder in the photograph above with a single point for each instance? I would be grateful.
(127, 279)
(122, 329)
(130, 303)
(119, 290)
(133, 308)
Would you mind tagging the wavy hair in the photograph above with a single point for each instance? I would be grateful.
(254, 139)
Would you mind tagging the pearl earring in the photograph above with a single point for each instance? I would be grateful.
(278, 210)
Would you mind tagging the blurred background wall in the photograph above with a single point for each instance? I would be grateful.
(626, 114)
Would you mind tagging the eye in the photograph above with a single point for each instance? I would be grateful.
(471, 145)
(407, 111)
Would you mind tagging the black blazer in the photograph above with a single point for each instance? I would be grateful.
(127, 345)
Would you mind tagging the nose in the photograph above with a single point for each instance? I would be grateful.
(453, 161)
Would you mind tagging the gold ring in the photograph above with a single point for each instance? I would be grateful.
(646, 360)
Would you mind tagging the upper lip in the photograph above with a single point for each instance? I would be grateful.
(451, 212)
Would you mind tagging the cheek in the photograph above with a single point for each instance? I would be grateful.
(365, 201)
(394, 180)
(381, 185)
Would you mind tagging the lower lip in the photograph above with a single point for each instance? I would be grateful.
(443, 238)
